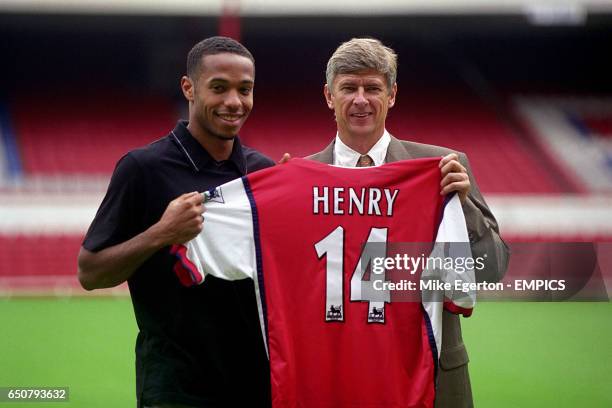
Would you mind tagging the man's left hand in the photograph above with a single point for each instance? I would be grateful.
(286, 157)
(454, 176)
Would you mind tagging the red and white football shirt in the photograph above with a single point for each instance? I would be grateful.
(298, 230)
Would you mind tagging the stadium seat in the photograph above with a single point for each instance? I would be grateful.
(68, 135)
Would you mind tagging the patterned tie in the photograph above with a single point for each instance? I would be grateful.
(365, 161)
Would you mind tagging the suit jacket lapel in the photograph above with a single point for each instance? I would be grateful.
(396, 152)
(324, 156)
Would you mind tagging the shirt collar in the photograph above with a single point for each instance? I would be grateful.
(346, 157)
(198, 157)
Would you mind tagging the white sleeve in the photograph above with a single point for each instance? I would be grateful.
(452, 248)
(451, 262)
(226, 246)
(453, 235)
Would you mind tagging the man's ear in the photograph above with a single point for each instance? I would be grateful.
(187, 87)
(392, 95)
(328, 97)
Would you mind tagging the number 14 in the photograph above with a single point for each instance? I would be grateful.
(332, 246)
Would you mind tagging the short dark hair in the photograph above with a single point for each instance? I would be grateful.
(212, 46)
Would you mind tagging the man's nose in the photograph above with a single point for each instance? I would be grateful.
(232, 100)
(360, 98)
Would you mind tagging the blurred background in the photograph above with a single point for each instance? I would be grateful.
(523, 87)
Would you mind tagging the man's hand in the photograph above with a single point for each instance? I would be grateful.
(182, 220)
(286, 157)
(454, 177)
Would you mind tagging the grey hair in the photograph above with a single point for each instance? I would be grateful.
(360, 54)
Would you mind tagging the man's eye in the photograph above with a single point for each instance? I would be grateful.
(218, 88)
(246, 91)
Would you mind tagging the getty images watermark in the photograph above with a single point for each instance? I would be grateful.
(459, 265)
(540, 271)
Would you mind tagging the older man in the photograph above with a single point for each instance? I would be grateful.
(361, 87)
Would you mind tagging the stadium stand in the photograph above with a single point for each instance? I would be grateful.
(96, 132)
(89, 141)
(39, 255)
(41, 265)
(497, 150)
(40, 236)
(576, 130)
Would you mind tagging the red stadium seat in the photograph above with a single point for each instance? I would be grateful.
(70, 136)
(38, 255)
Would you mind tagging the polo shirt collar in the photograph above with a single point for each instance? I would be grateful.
(198, 157)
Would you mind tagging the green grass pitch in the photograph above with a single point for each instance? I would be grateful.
(522, 354)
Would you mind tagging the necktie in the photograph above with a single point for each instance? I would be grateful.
(365, 161)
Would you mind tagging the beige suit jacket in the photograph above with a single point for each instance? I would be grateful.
(453, 389)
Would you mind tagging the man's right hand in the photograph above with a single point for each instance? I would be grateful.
(181, 221)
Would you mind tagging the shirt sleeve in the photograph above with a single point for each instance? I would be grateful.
(117, 219)
(226, 246)
(451, 262)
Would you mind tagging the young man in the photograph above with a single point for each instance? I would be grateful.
(361, 88)
(199, 346)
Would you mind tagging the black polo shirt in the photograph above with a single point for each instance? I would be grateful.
(202, 345)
